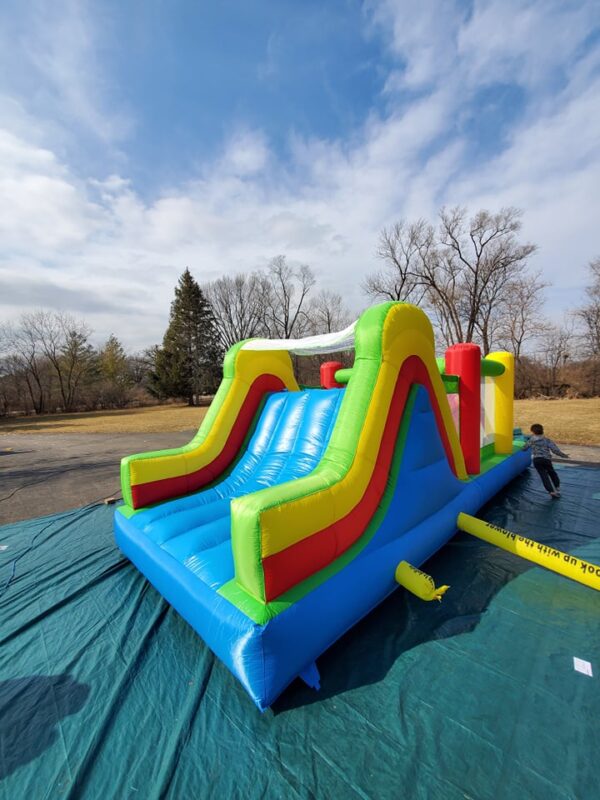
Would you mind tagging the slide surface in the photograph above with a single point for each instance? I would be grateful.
(289, 438)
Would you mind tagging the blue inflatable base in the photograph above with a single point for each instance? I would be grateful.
(420, 519)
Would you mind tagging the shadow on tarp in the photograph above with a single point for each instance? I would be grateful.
(475, 696)
(475, 572)
(31, 709)
(366, 653)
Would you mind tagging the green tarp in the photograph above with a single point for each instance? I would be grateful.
(106, 692)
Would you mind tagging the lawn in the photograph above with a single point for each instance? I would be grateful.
(155, 419)
(567, 421)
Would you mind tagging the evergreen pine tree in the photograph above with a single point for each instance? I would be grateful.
(114, 374)
(189, 362)
(112, 362)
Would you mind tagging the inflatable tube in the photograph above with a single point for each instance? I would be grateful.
(541, 554)
(418, 582)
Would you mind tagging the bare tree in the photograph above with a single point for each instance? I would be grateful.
(140, 366)
(589, 317)
(27, 363)
(589, 314)
(238, 305)
(518, 321)
(444, 296)
(328, 313)
(286, 299)
(63, 340)
(555, 352)
(463, 275)
(486, 258)
(404, 248)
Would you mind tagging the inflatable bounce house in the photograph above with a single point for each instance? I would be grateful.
(293, 512)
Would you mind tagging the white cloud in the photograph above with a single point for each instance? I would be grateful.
(246, 154)
(524, 42)
(422, 35)
(551, 162)
(50, 56)
(41, 209)
(98, 246)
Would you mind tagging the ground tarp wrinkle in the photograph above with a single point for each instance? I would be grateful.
(106, 692)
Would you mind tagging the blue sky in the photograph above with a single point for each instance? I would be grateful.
(142, 137)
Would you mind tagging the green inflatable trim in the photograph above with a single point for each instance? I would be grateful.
(200, 436)
(491, 368)
(489, 457)
(128, 511)
(343, 375)
(451, 383)
(246, 511)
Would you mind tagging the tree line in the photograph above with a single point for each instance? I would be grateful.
(470, 273)
(48, 363)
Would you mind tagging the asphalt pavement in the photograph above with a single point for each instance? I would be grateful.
(47, 473)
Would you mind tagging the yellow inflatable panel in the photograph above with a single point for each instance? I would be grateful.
(504, 390)
(406, 332)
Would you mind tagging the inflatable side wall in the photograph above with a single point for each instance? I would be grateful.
(247, 378)
(286, 533)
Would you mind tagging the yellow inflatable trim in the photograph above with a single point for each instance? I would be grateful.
(544, 555)
(406, 332)
(248, 366)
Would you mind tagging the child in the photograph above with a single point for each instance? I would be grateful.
(542, 459)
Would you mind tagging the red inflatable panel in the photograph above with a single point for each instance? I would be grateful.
(328, 370)
(464, 360)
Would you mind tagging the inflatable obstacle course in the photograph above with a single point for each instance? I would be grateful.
(284, 520)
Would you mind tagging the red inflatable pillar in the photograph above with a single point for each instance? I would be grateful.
(464, 360)
(328, 370)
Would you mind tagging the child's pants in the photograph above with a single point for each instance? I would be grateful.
(547, 473)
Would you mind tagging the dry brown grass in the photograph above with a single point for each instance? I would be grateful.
(566, 421)
(157, 419)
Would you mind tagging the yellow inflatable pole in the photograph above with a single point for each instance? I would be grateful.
(544, 555)
(504, 391)
(419, 583)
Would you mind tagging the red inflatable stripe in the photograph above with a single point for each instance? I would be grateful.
(464, 360)
(291, 566)
(154, 491)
